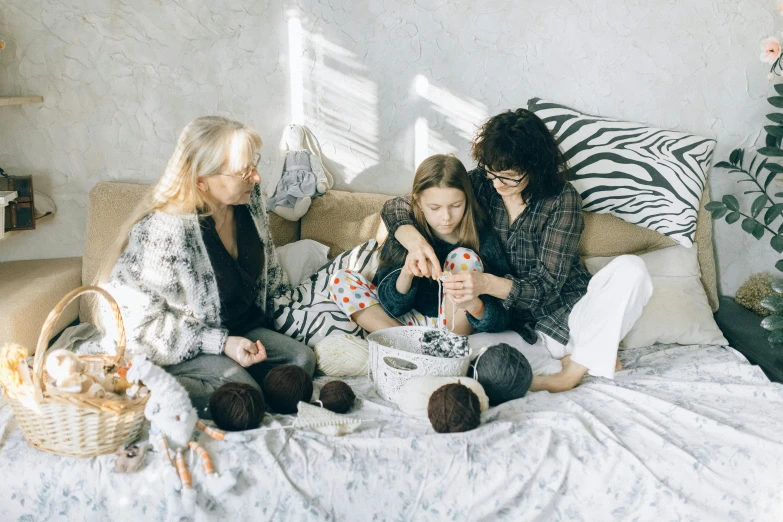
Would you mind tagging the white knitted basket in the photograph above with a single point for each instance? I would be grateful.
(395, 357)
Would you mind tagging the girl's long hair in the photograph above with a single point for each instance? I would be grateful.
(443, 171)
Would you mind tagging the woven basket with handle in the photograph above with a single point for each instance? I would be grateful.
(74, 424)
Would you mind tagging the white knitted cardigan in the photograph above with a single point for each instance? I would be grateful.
(167, 291)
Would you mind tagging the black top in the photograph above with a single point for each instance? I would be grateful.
(236, 279)
(423, 295)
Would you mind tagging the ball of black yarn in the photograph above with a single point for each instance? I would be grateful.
(504, 373)
(237, 406)
(285, 386)
(454, 408)
(337, 396)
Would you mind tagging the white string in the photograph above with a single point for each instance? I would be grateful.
(475, 363)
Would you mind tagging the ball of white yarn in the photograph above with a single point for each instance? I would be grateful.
(342, 355)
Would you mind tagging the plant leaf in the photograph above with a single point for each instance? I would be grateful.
(773, 167)
(777, 243)
(733, 218)
(771, 141)
(731, 202)
(773, 322)
(719, 213)
(773, 303)
(734, 157)
(779, 88)
(758, 230)
(770, 151)
(774, 130)
(749, 225)
(779, 265)
(769, 179)
(758, 205)
(776, 101)
(777, 285)
(714, 205)
(761, 165)
(772, 213)
(775, 116)
(724, 165)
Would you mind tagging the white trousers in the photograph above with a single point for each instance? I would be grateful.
(614, 301)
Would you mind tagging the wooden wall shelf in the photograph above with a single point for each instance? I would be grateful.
(20, 100)
(43, 219)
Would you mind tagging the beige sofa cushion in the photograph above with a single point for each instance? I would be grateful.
(111, 204)
(342, 220)
(30, 289)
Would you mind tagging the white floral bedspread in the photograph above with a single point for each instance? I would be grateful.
(684, 433)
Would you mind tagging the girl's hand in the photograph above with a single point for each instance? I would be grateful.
(244, 351)
(465, 286)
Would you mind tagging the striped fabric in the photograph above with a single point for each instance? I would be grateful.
(650, 177)
(307, 314)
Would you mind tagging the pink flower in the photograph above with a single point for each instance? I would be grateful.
(780, 7)
(770, 50)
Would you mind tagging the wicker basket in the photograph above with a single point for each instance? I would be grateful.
(395, 357)
(74, 424)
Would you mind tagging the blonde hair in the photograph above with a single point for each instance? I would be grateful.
(208, 146)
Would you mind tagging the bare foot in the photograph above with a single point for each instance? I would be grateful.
(618, 365)
(570, 377)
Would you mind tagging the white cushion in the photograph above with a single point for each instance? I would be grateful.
(301, 259)
(678, 311)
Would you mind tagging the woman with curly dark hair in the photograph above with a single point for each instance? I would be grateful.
(521, 183)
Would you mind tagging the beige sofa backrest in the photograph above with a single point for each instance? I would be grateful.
(342, 220)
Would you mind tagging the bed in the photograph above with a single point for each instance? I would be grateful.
(684, 432)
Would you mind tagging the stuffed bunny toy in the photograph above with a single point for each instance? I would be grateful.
(303, 175)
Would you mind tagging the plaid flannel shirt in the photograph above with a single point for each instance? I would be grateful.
(541, 247)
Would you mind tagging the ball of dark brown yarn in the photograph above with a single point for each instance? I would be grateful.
(285, 386)
(454, 408)
(337, 396)
(237, 406)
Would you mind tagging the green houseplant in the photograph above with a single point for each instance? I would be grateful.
(760, 174)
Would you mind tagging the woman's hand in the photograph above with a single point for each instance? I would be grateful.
(421, 260)
(465, 286)
(244, 351)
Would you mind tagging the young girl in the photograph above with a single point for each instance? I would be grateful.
(447, 215)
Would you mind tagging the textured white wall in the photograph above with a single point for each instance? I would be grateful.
(122, 77)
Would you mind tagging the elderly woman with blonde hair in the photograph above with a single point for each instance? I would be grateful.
(195, 270)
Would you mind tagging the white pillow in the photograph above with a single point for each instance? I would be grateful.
(301, 259)
(678, 311)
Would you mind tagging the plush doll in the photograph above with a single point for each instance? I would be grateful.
(70, 374)
(302, 174)
(173, 420)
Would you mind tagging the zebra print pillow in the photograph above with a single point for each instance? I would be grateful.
(649, 177)
(307, 313)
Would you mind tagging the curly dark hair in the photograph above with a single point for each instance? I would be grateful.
(518, 140)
